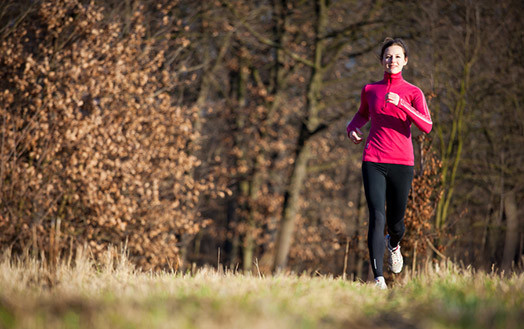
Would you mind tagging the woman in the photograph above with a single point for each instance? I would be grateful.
(391, 105)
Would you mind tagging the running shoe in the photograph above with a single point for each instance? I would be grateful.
(380, 283)
(395, 260)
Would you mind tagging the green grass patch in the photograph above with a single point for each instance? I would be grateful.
(33, 296)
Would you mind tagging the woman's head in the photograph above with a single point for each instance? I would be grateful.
(393, 55)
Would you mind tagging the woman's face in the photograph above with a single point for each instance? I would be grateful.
(394, 59)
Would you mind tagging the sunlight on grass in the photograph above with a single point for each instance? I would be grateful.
(115, 295)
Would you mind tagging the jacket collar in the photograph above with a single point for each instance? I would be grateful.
(393, 77)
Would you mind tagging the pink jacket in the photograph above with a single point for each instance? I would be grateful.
(389, 139)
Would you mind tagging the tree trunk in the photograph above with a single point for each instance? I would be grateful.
(451, 151)
(253, 193)
(451, 156)
(249, 247)
(302, 154)
(512, 230)
(290, 208)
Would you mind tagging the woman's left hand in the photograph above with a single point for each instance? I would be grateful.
(393, 98)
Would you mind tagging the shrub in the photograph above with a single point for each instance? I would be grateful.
(92, 149)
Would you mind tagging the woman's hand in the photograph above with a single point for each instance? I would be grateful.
(355, 136)
(393, 98)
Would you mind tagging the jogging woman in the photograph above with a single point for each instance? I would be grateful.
(391, 105)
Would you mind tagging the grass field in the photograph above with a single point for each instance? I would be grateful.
(115, 296)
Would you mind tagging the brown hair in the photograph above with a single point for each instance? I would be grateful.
(388, 42)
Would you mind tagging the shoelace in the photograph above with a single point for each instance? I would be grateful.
(395, 257)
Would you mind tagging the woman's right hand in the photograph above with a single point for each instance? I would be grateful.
(354, 135)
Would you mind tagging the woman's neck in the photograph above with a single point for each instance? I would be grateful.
(390, 76)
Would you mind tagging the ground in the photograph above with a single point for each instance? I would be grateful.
(115, 295)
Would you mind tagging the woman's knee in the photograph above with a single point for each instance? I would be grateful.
(397, 230)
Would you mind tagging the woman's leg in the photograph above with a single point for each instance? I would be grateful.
(399, 179)
(374, 176)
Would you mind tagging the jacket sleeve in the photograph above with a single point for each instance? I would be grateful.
(418, 111)
(362, 115)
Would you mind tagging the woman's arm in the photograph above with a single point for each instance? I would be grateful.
(361, 117)
(418, 113)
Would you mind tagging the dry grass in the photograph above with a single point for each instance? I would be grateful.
(115, 295)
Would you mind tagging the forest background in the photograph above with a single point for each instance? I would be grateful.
(198, 133)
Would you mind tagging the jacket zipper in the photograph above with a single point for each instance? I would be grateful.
(388, 86)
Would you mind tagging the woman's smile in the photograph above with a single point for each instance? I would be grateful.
(394, 59)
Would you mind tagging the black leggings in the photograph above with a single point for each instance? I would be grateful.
(387, 189)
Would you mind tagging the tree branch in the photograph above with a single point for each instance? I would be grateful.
(346, 31)
(264, 40)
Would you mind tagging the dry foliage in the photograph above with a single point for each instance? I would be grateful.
(93, 151)
(425, 193)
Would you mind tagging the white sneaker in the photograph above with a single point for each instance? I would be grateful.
(380, 283)
(395, 260)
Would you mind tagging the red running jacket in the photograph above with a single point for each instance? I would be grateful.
(389, 139)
